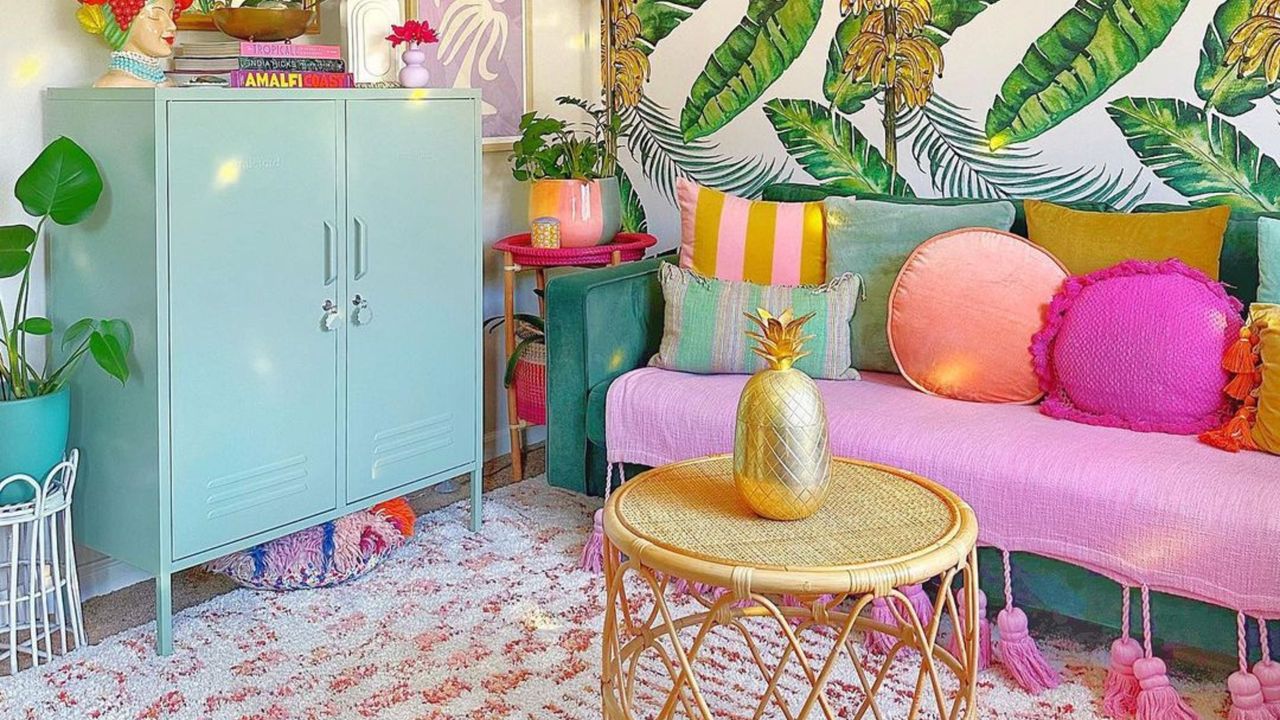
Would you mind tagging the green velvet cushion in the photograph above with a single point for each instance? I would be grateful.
(704, 327)
(1268, 260)
(874, 238)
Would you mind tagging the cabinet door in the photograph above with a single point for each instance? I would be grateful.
(412, 370)
(253, 255)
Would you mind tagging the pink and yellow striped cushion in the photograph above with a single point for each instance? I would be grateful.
(766, 243)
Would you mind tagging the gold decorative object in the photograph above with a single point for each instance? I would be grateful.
(883, 528)
(545, 233)
(263, 24)
(781, 458)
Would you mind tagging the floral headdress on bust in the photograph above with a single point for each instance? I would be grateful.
(112, 18)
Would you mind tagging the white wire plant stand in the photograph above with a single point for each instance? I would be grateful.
(39, 587)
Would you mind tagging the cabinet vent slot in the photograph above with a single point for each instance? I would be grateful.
(411, 440)
(231, 494)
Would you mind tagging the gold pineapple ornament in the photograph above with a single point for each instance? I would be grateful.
(781, 457)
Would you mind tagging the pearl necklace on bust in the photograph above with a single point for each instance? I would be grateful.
(141, 66)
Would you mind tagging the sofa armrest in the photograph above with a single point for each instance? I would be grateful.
(600, 324)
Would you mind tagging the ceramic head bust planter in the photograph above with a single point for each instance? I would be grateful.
(140, 34)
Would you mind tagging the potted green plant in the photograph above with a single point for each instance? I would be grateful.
(63, 186)
(572, 173)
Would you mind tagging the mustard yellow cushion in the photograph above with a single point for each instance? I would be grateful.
(1088, 241)
(1266, 428)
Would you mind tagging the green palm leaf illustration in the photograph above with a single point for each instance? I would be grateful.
(633, 217)
(1086, 52)
(751, 58)
(659, 17)
(659, 147)
(1220, 86)
(831, 149)
(953, 150)
(849, 97)
(1208, 160)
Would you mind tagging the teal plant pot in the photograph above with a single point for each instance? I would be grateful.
(33, 439)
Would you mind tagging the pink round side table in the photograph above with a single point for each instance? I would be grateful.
(518, 254)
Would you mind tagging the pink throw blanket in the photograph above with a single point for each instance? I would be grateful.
(1163, 510)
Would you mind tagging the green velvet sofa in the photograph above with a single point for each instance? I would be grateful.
(603, 323)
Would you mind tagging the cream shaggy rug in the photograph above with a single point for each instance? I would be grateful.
(456, 625)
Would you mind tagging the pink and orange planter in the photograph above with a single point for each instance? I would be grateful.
(589, 211)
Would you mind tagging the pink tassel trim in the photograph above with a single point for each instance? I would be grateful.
(920, 602)
(1157, 700)
(1268, 674)
(1120, 692)
(878, 642)
(1246, 698)
(592, 559)
(984, 631)
(1021, 656)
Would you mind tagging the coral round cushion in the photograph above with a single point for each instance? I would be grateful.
(963, 310)
(1138, 345)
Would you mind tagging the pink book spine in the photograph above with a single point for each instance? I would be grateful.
(317, 52)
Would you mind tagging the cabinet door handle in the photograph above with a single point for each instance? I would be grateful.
(330, 255)
(362, 249)
(331, 319)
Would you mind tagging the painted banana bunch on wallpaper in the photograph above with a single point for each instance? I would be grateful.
(885, 57)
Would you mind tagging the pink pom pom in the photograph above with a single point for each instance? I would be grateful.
(1120, 692)
(1021, 656)
(592, 559)
(1157, 700)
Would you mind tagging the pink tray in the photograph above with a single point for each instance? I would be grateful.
(630, 246)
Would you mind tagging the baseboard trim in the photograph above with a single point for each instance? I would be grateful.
(106, 575)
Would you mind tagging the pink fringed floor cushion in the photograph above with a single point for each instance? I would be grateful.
(1164, 510)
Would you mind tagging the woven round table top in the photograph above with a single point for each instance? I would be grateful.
(880, 528)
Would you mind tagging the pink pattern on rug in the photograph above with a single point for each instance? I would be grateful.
(456, 626)
(1164, 510)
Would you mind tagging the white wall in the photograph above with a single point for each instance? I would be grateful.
(41, 46)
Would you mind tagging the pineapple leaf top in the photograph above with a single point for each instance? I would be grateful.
(779, 341)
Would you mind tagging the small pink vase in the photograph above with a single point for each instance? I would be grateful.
(415, 74)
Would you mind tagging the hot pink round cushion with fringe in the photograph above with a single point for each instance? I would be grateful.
(962, 312)
(1138, 345)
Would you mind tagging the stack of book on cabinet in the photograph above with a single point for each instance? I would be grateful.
(260, 65)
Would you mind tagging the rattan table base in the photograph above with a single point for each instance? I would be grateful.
(645, 628)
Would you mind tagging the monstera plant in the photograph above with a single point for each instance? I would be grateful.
(62, 186)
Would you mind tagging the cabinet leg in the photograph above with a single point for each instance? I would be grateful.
(477, 492)
(164, 614)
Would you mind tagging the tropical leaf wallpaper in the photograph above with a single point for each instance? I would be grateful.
(1114, 102)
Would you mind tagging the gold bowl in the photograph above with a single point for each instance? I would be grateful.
(263, 24)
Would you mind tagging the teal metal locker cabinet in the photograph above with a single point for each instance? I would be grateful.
(302, 271)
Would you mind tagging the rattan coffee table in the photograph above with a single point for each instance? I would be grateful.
(880, 529)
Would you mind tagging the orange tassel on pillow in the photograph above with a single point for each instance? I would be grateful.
(1239, 358)
(1235, 435)
(1242, 385)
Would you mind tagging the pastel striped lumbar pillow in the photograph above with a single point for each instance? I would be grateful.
(704, 327)
(769, 243)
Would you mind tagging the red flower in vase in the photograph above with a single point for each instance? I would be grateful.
(413, 32)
